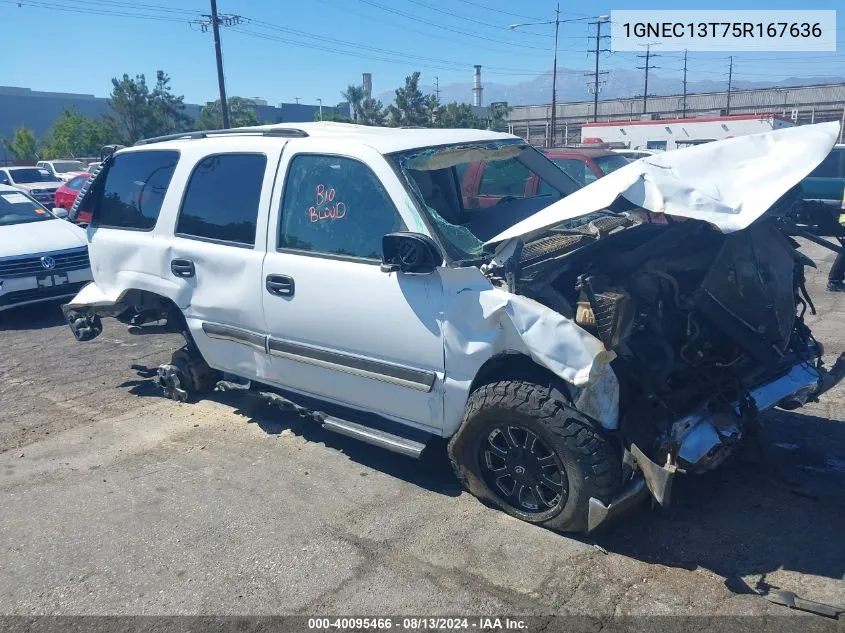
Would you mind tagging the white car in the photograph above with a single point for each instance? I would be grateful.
(634, 154)
(34, 181)
(92, 167)
(577, 349)
(63, 170)
(42, 257)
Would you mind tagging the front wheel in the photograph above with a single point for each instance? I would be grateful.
(533, 456)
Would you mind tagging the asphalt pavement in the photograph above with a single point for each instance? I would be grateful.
(117, 501)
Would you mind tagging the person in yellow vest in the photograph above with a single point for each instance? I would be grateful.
(836, 278)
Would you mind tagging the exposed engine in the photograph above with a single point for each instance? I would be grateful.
(697, 319)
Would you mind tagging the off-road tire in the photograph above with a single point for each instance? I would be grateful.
(592, 462)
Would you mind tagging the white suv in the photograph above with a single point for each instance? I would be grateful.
(360, 276)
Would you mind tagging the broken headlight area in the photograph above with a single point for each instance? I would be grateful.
(707, 328)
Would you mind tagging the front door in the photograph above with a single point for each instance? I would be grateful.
(340, 328)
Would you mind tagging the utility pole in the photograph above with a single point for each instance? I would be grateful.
(596, 75)
(554, 78)
(647, 66)
(215, 21)
(215, 25)
(684, 115)
(730, 82)
(437, 87)
(320, 101)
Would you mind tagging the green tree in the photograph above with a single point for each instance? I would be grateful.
(409, 108)
(130, 104)
(241, 114)
(372, 112)
(499, 116)
(459, 115)
(167, 111)
(354, 95)
(138, 112)
(23, 145)
(74, 134)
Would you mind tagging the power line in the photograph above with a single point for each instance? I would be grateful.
(597, 75)
(447, 28)
(499, 27)
(486, 8)
(685, 84)
(730, 81)
(646, 68)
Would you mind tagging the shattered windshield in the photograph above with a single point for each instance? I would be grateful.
(472, 192)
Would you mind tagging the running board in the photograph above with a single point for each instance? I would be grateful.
(399, 439)
(376, 437)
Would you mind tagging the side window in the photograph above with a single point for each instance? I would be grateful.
(4, 180)
(130, 194)
(221, 199)
(504, 178)
(335, 205)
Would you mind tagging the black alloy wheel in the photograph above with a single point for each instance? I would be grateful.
(519, 467)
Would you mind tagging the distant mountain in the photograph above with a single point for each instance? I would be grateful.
(572, 85)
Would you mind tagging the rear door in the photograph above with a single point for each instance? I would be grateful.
(215, 246)
(340, 328)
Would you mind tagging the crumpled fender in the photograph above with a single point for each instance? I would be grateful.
(92, 296)
(97, 296)
(482, 321)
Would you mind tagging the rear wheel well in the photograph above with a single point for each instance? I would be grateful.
(143, 306)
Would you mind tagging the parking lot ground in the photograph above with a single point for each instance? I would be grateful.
(117, 501)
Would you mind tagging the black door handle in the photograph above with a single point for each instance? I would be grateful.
(280, 285)
(182, 268)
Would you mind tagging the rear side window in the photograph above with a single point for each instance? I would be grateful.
(130, 194)
(221, 200)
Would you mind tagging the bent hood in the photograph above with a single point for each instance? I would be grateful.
(727, 183)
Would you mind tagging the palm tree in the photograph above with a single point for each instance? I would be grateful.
(354, 95)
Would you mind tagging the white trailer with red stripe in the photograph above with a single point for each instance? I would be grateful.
(666, 134)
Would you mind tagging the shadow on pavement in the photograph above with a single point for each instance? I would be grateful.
(782, 508)
(36, 316)
(432, 471)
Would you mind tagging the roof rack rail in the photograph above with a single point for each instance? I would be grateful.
(280, 132)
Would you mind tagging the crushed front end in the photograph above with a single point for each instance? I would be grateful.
(707, 328)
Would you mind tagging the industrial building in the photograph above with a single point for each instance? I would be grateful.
(800, 105)
(666, 134)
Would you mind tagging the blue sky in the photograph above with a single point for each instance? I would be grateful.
(314, 48)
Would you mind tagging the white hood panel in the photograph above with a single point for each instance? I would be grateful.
(727, 183)
(31, 238)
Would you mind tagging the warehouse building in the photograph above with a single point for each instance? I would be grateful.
(799, 105)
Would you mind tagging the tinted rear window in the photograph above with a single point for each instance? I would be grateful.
(131, 193)
(221, 200)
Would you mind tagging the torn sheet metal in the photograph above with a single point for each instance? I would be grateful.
(727, 183)
(483, 321)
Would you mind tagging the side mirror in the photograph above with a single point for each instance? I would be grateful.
(59, 212)
(410, 253)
